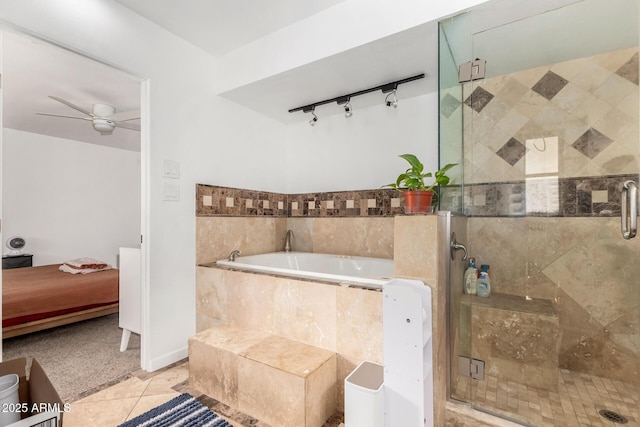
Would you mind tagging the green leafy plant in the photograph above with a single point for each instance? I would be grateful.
(413, 178)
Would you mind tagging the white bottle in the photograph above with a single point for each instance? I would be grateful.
(484, 284)
(471, 277)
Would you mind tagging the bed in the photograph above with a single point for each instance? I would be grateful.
(37, 298)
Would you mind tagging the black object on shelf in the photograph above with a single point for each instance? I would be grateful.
(17, 261)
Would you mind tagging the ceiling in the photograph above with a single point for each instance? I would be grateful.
(34, 70)
(220, 26)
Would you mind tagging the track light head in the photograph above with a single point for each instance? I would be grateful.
(346, 101)
(311, 109)
(347, 110)
(393, 102)
(314, 119)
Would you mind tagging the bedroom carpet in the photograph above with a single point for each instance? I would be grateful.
(81, 357)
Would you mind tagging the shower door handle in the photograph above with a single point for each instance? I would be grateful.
(629, 210)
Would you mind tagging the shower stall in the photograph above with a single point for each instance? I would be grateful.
(549, 142)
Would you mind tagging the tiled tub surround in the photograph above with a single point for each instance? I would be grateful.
(350, 231)
(216, 237)
(345, 320)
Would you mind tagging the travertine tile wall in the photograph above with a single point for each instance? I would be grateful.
(546, 152)
(585, 269)
(557, 140)
(345, 320)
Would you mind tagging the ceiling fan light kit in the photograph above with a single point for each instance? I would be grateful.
(103, 118)
(104, 126)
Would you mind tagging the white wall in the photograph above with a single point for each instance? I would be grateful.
(188, 124)
(215, 141)
(69, 199)
(361, 152)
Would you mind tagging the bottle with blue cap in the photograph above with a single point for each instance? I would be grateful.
(484, 282)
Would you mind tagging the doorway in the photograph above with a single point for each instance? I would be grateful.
(69, 190)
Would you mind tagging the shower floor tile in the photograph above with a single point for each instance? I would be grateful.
(577, 402)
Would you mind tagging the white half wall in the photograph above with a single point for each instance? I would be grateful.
(69, 199)
(361, 152)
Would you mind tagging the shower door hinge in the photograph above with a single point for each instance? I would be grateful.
(469, 367)
(472, 70)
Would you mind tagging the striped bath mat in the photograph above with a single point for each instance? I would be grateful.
(183, 410)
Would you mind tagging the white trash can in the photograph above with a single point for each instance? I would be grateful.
(9, 400)
(363, 396)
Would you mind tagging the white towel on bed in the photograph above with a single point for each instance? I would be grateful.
(86, 262)
(82, 266)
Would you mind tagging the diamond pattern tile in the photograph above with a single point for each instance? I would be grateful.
(512, 151)
(449, 105)
(629, 70)
(479, 99)
(591, 143)
(549, 85)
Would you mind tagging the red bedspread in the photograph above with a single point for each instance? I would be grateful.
(35, 293)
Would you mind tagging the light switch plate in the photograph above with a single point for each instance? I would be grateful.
(171, 192)
(170, 169)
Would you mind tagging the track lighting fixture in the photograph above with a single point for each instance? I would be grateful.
(394, 99)
(390, 100)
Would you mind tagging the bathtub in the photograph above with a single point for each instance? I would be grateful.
(352, 270)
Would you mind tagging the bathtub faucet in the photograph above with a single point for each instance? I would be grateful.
(287, 241)
(233, 255)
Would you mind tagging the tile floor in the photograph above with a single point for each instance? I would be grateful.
(140, 391)
(577, 402)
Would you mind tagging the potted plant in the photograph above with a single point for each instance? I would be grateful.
(418, 196)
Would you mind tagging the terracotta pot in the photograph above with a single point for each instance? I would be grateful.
(417, 201)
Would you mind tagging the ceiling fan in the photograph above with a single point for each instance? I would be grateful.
(103, 117)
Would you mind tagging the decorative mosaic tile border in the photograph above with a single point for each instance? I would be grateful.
(547, 196)
(213, 200)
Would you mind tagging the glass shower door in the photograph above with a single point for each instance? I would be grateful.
(550, 139)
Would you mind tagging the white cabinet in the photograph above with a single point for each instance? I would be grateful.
(130, 289)
(408, 354)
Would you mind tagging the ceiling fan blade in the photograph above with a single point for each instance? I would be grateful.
(69, 104)
(132, 126)
(126, 116)
(66, 117)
